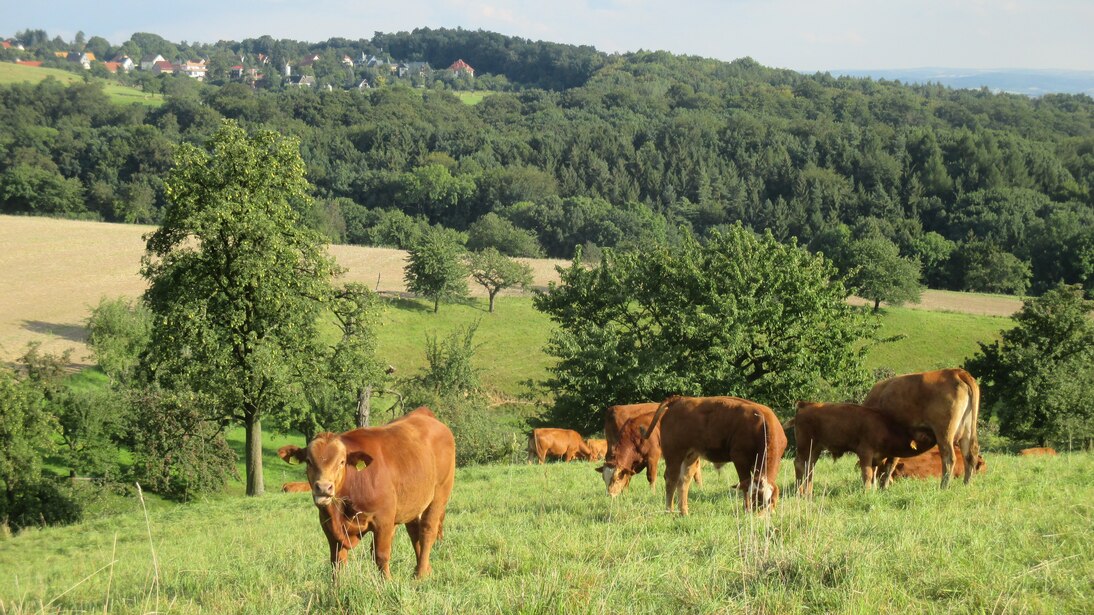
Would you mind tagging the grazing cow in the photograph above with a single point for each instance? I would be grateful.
(946, 401)
(374, 478)
(929, 465)
(564, 443)
(847, 428)
(598, 449)
(616, 416)
(1036, 451)
(720, 430)
(633, 453)
(296, 488)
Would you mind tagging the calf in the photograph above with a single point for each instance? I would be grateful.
(929, 465)
(1037, 451)
(720, 430)
(564, 443)
(848, 428)
(598, 449)
(296, 487)
(374, 478)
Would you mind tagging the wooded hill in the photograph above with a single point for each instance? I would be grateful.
(987, 191)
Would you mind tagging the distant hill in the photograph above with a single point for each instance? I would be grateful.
(118, 93)
(1017, 81)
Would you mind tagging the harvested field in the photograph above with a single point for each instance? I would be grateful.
(53, 271)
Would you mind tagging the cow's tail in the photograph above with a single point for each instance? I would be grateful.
(789, 424)
(972, 409)
(657, 416)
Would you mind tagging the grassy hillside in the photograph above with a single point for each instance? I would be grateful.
(546, 539)
(120, 94)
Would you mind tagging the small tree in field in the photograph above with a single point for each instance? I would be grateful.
(236, 282)
(435, 267)
(495, 272)
(882, 274)
(1039, 378)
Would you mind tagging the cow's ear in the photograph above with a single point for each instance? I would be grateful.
(358, 459)
(600, 470)
(290, 453)
(627, 471)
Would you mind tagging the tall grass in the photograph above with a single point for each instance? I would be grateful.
(546, 539)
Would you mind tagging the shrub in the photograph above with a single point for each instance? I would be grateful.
(39, 503)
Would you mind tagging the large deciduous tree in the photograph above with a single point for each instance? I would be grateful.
(739, 315)
(1039, 378)
(236, 283)
(882, 274)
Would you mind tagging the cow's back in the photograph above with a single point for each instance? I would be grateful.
(415, 455)
(616, 416)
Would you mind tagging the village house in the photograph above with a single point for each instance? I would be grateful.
(148, 61)
(195, 70)
(124, 62)
(413, 69)
(459, 67)
(302, 81)
(163, 67)
(347, 61)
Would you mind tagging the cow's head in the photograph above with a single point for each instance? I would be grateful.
(760, 494)
(981, 465)
(615, 478)
(327, 458)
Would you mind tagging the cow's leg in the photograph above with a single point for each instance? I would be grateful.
(431, 529)
(866, 465)
(651, 468)
(381, 541)
(744, 480)
(969, 450)
(699, 473)
(887, 471)
(671, 478)
(945, 450)
(687, 472)
(414, 529)
(569, 455)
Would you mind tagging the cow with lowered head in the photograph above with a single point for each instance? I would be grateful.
(721, 430)
(643, 453)
(375, 478)
(847, 428)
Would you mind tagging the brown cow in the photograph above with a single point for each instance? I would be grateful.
(296, 487)
(406, 478)
(633, 453)
(1036, 451)
(616, 416)
(720, 430)
(946, 401)
(565, 443)
(929, 465)
(847, 428)
(598, 449)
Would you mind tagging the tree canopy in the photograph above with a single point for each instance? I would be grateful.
(741, 315)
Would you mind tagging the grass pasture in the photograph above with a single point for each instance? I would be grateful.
(546, 539)
(118, 93)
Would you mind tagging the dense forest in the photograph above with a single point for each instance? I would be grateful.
(573, 147)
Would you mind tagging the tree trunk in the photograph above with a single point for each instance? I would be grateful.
(492, 301)
(255, 484)
(364, 405)
(436, 303)
(877, 304)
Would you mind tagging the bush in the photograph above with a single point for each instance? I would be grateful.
(481, 435)
(177, 451)
(39, 503)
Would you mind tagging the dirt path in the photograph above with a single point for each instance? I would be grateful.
(53, 271)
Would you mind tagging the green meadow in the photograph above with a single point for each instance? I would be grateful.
(547, 539)
(119, 94)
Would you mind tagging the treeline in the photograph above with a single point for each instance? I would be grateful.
(983, 191)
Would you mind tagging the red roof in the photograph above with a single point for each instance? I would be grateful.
(237, 67)
(28, 63)
(112, 66)
(461, 65)
(5, 44)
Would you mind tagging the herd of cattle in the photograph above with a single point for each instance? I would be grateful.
(375, 478)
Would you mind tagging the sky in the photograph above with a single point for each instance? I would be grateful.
(805, 35)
